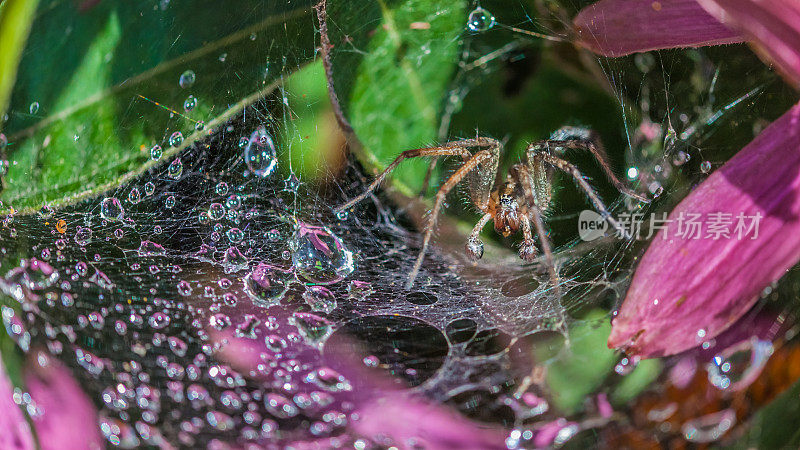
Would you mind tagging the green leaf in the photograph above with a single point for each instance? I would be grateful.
(645, 373)
(15, 22)
(315, 143)
(583, 365)
(391, 64)
(117, 91)
(777, 425)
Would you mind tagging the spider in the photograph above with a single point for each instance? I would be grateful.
(522, 198)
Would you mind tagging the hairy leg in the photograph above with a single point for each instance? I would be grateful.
(415, 153)
(525, 179)
(455, 178)
(569, 168)
(594, 147)
(474, 243)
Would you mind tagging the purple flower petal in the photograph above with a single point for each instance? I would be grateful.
(686, 291)
(68, 419)
(404, 419)
(15, 434)
(773, 26)
(622, 27)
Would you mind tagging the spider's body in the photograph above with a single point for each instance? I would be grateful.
(519, 200)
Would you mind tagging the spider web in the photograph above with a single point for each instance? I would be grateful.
(219, 303)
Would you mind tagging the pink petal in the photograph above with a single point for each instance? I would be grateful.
(15, 434)
(772, 25)
(404, 419)
(68, 420)
(622, 27)
(685, 290)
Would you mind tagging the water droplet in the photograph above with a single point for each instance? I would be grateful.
(120, 327)
(46, 211)
(81, 268)
(705, 166)
(626, 365)
(3, 141)
(219, 420)
(169, 203)
(15, 328)
(656, 189)
(359, 289)
(83, 235)
(34, 108)
(247, 327)
(156, 152)
(319, 255)
(260, 153)
(118, 433)
(187, 79)
(176, 139)
(134, 196)
(738, 366)
(216, 211)
(149, 188)
(279, 406)
(150, 248)
(267, 284)
(314, 329)
(234, 260)
(644, 62)
(159, 320)
(480, 20)
(710, 427)
(190, 103)
(670, 137)
(111, 209)
(371, 361)
(320, 298)
(175, 169)
(233, 201)
(221, 188)
(235, 235)
(329, 379)
(184, 288)
(291, 183)
(89, 361)
(219, 321)
(681, 158)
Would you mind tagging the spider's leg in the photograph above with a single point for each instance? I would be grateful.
(474, 243)
(570, 169)
(594, 147)
(470, 165)
(523, 175)
(415, 153)
(527, 249)
(427, 181)
(544, 241)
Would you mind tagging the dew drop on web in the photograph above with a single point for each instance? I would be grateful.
(111, 209)
(480, 20)
(187, 79)
(260, 153)
(320, 256)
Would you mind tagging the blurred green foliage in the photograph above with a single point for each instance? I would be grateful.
(392, 62)
(84, 125)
